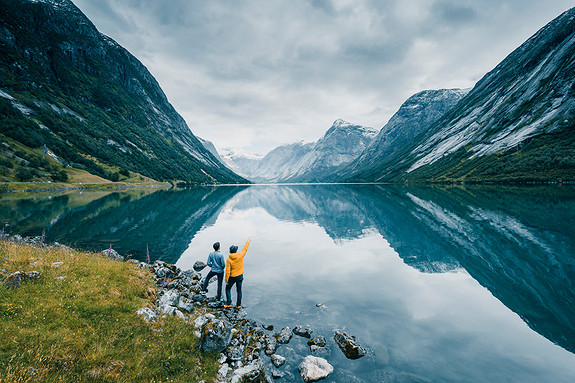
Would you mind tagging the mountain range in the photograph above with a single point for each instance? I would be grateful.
(73, 100)
(308, 162)
(74, 93)
(516, 125)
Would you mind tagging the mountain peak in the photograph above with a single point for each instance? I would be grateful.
(340, 123)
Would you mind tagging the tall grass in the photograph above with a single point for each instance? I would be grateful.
(78, 323)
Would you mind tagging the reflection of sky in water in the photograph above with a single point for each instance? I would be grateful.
(444, 327)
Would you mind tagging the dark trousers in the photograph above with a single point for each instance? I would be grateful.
(238, 281)
(220, 281)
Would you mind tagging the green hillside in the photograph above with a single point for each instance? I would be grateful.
(68, 91)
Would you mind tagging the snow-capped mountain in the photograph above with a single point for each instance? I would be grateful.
(414, 116)
(242, 163)
(516, 124)
(310, 162)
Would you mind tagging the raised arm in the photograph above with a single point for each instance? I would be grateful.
(245, 249)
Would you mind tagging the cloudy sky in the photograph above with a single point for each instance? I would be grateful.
(254, 74)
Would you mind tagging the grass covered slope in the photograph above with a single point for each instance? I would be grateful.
(69, 89)
(84, 326)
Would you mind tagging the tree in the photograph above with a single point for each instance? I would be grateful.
(23, 174)
(60, 176)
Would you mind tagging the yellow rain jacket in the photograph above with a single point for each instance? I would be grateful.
(235, 263)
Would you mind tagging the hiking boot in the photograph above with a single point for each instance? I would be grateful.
(239, 307)
(227, 306)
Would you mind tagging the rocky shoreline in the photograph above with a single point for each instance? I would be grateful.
(249, 351)
(242, 342)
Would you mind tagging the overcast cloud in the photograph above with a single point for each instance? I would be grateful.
(254, 74)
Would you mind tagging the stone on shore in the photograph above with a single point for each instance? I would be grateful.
(317, 341)
(313, 369)
(348, 345)
(199, 266)
(271, 345)
(284, 336)
(113, 255)
(215, 335)
(278, 360)
(303, 331)
(147, 314)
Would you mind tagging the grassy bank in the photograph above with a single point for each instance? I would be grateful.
(84, 327)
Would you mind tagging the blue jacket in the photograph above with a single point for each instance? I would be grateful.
(217, 262)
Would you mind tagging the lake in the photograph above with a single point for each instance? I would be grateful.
(452, 284)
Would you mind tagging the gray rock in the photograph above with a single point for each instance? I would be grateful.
(250, 373)
(269, 327)
(199, 321)
(277, 374)
(169, 298)
(199, 266)
(215, 335)
(199, 298)
(168, 310)
(313, 369)
(235, 353)
(113, 254)
(278, 360)
(271, 345)
(185, 304)
(317, 341)
(147, 314)
(303, 331)
(17, 278)
(348, 345)
(284, 336)
(57, 264)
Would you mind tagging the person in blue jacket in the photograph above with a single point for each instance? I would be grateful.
(218, 264)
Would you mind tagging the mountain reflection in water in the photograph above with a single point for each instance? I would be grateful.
(518, 242)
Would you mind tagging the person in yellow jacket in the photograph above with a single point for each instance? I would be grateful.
(235, 274)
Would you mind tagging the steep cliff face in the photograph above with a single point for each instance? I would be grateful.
(414, 116)
(89, 100)
(517, 124)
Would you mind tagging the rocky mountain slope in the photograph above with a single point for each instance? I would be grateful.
(69, 89)
(517, 124)
(310, 162)
(414, 116)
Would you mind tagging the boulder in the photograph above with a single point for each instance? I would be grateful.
(17, 278)
(318, 341)
(215, 335)
(170, 298)
(113, 254)
(284, 336)
(271, 345)
(313, 369)
(147, 314)
(185, 304)
(278, 360)
(303, 331)
(199, 266)
(199, 321)
(269, 327)
(348, 345)
(199, 298)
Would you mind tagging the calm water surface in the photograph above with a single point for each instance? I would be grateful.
(440, 285)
